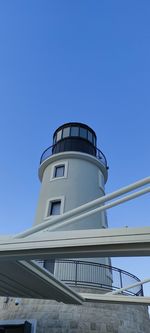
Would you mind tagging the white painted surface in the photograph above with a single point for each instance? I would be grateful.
(84, 182)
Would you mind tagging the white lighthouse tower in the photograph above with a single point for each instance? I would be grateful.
(73, 171)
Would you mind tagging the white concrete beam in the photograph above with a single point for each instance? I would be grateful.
(124, 242)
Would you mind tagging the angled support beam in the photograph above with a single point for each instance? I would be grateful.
(118, 291)
(28, 280)
(64, 292)
(89, 209)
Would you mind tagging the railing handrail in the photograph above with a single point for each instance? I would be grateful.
(100, 284)
(80, 282)
(99, 154)
(90, 263)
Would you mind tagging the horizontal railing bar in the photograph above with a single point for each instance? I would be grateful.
(94, 264)
(97, 285)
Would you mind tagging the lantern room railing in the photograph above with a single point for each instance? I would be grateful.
(64, 146)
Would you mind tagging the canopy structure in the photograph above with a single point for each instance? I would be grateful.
(20, 276)
(29, 280)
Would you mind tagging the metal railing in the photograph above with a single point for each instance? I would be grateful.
(89, 274)
(55, 150)
(94, 275)
(77, 273)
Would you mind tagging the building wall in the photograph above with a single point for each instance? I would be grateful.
(53, 317)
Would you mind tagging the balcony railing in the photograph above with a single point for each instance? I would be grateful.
(78, 273)
(58, 148)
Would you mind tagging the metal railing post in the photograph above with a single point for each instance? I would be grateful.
(76, 272)
(121, 284)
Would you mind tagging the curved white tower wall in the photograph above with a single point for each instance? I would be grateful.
(83, 181)
(70, 179)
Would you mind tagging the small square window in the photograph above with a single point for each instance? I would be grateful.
(54, 208)
(59, 171)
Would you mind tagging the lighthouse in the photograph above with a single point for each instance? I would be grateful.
(73, 172)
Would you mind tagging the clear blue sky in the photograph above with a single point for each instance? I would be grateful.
(79, 60)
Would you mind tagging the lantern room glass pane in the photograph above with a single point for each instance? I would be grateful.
(74, 131)
(66, 132)
(59, 134)
(83, 132)
(94, 140)
(54, 139)
(90, 137)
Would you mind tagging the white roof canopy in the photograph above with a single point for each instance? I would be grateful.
(21, 277)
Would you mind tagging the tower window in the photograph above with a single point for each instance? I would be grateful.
(54, 208)
(59, 171)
